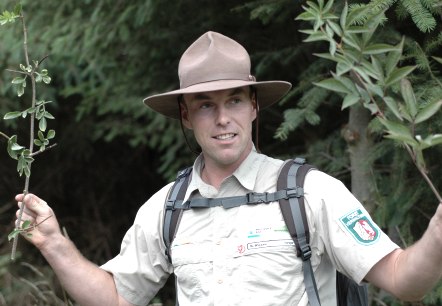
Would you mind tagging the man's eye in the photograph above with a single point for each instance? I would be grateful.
(205, 105)
(236, 100)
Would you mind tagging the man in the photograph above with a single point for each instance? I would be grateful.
(218, 101)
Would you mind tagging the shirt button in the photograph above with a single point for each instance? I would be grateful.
(220, 281)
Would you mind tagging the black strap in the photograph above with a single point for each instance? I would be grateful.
(172, 215)
(293, 210)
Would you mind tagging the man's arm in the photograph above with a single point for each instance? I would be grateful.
(84, 281)
(409, 274)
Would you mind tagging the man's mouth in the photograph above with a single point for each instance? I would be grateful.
(225, 136)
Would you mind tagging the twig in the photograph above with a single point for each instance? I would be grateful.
(4, 135)
(33, 227)
(39, 152)
(424, 174)
(17, 71)
(31, 132)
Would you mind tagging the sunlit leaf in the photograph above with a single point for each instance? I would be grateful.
(428, 111)
(393, 106)
(398, 74)
(409, 97)
(12, 115)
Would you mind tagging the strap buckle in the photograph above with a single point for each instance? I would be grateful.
(170, 205)
(306, 253)
(255, 197)
(295, 192)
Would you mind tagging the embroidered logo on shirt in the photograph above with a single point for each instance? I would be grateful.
(361, 227)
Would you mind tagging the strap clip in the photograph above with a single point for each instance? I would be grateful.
(306, 253)
(295, 192)
(255, 197)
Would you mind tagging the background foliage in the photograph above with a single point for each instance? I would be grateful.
(113, 153)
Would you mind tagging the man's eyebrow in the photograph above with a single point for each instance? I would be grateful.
(201, 96)
(237, 91)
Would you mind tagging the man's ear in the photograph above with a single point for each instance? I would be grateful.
(184, 115)
(255, 106)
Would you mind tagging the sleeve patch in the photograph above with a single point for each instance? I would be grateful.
(360, 226)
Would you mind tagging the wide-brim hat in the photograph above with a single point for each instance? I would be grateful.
(215, 62)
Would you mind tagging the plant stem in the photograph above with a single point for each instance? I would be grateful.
(424, 174)
(4, 135)
(31, 132)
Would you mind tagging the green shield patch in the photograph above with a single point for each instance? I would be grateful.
(360, 226)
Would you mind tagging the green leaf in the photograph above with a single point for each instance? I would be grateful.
(12, 115)
(40, 135)
(333, 85)
(17, 9)
(350, 100)
(392, 105)
(342, 68)
(343, 18)
(437, 59)
(378, 49)
(307, 16)
(12, 140)
(429, 141)
(335, 27)
(377, 90)
(21, 90)
(428, 111)
(409, 97)
(42, 124)
(46, 79)
(51, 134)
(38, 142)
(26, 224)
(394, 57)
(27, 170)
(352, 41)
(48, 115)
(18, 80)
(16, 147)
(397, 74)
(13, 234)
(372, 107)
(317, 36)
(398, 131)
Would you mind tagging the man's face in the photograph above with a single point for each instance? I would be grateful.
(222, 124)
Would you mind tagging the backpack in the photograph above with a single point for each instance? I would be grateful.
(290, 195)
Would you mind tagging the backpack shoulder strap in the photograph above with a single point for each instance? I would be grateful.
(292, 175)
(172, 215)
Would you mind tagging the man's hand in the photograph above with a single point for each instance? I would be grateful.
(43, 223)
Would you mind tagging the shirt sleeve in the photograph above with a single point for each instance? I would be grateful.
(342, 228)
(141, 268)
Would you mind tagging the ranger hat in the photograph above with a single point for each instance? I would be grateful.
(215, 62)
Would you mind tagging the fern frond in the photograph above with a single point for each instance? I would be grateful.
(420, 15)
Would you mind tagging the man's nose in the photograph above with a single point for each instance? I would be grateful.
(223, 115)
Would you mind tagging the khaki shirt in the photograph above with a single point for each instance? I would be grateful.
(244, 255)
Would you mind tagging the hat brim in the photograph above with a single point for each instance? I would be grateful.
(269, 92)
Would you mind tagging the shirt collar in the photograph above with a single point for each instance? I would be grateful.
(245, 174)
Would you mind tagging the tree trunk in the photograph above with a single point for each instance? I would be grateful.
(359, 144)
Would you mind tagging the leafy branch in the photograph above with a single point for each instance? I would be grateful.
(25, 228)
(28, 73)
(368, 72)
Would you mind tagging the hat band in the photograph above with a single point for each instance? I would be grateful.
(189, 81)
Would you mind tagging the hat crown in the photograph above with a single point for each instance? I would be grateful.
(213, 57)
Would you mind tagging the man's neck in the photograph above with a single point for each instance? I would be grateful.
(214, 174)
